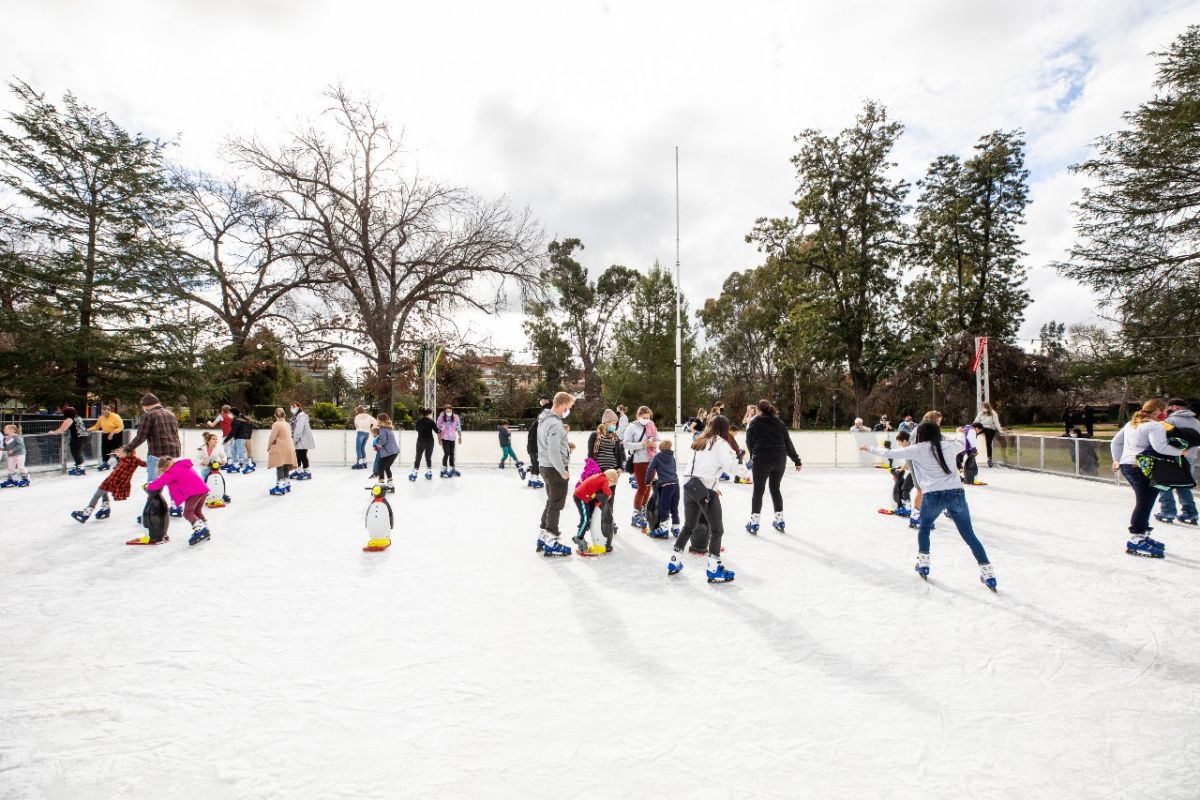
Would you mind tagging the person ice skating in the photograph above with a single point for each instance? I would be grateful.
(188, 491)
(966, 459)
(748, 417)
(605, 450)
(770, 446)
(989, 420)
(1143, 432)
(695, 424)
(118, 484)
(73, 429)
(223, 420)
(622, 421)
(426, 430)
(590, 496)
(930, 458)
(238, 439)
(506, 450)
(1179, 415)
(554, 456)
(208, 452)
(110, 426)
(449, 427)
(637, 441)
(709, 458)
(662, 472)
(302, 440)
(159, 431)
(531, 447)
(14, 458)
(363, 423)
(388, 448)
(281, 453)
(902, 481)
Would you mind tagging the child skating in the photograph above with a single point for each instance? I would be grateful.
(388, 448)
(589, 497)
(506, 450)
(930, 458)
(14, 456)
(663, 473)
(187, 491)
(118, 484)
(902, 482)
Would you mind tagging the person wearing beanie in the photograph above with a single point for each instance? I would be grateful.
(159, 431)
(1179, 415)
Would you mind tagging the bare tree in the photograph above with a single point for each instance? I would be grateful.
(407, 253)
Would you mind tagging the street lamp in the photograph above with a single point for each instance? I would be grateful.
(835, 401)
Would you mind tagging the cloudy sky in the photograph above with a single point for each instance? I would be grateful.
(574, 108)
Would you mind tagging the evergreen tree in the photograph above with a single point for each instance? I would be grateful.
(551, 351)
(100, 206)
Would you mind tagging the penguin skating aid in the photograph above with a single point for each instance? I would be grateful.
(379, 522)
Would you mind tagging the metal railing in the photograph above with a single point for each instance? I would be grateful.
(1090, 459)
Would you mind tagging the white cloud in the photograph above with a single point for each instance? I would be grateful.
(574, 108)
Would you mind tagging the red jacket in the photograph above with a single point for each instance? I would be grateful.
(597, 484)
(118, 481)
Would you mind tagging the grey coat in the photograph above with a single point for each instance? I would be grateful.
(1186, 419)
(302, 434)
(552, 442)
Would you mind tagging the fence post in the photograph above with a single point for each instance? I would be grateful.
(1042, 453)
(835, 448)
(1018, 439)
(1076, 458)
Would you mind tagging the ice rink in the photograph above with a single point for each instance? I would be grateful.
(280, 661)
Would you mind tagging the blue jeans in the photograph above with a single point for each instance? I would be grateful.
(1144, 497)
(1166, 502)
(151, 468)
(954, 502)
(237, 451)
(360, 447)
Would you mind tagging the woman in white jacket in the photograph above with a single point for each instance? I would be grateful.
(930, 459)
(1143, 432)
(990, 421)
(699, 471)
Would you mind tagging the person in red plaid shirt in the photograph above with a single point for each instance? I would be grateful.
(159, 430)
(118, 483)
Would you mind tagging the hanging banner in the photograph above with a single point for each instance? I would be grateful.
(979, 353)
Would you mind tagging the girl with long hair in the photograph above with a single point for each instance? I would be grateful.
(770, 447)
(930, 459)
(710, 456)
(1144, 431)
(990, 421)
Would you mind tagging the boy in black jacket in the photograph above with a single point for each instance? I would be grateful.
(240, 431)
(662, 474)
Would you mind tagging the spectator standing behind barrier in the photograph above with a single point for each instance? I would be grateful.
(1089, 421)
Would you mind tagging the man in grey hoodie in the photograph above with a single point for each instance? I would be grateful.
(1180, 416)
(554, 455)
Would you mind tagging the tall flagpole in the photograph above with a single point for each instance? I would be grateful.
(678, 311)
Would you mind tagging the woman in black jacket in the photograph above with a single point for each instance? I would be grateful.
(770, 447)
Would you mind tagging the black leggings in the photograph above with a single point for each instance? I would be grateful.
(425, 448)
(108, 445)
(301, 459)
(448, 453)
(701, 502)
(989, 434)
(767, 469)
(385, 466)
(76, 445)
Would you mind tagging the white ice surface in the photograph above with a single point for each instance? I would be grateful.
(280, 661)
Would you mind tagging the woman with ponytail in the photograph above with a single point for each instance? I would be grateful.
(1143, 432)
(770, 447)
(930, 459)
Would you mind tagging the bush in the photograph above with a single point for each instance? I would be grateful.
(478, 421)
(327, 413)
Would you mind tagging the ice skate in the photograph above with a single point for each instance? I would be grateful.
(77, 471)
(753, 525)
(661, 532)
(82, 516)
(922, 566)
(199, 534)
(553, 547)
(674, 566)
(389, 487)
(675, 531)
(521, 469)
(24, 482)
(445, 473)
(104, 512)
(1166, 519)
(455, 473)
(582, 544)
(987, 577)
(902, 511)
(1144, 546)
(176, 512)
(429, 475)
(632, 481)
(716, 571)
(501, 465)
(543, 535)
(413, 476)
(102, 466)
(725, 476)
(778, 524)
(277, 490)
(146, 540)
(246, 470)
(8, 483)
(1187, 521)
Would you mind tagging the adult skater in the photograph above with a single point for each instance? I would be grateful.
(990, 420)
(159, 431)
(449, 427)
(281, 453)
(637, 441)
(531, 444)
(622, 421)
(426, 430)
(223, 420)
(1144, 431)
(238, 439)
(1089, 421)
(388, 449)
(604, 447)
(695, 425)
(73, 429)
(710, 457)
(110, 427)
(554, 455)
(302, 439)
(770, 446)
(363, 422)
(1179, 415)
(930, 459)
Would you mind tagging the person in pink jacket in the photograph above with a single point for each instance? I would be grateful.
(188, 491)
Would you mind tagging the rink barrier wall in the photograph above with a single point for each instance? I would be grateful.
(1088, 459)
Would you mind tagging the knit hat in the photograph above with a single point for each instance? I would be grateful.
(148, 399)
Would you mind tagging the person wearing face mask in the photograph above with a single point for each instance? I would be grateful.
(554, 455)
(1143, 432)
(302, 440)
(449, 427)
(637, 440)
(604, 447)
